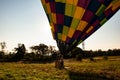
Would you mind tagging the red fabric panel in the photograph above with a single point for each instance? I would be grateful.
(60, 18)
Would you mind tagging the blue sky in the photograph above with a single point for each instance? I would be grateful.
(24, 21)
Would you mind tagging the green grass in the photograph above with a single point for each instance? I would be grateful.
(74, 70)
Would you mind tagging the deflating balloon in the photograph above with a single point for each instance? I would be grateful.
(72, 21)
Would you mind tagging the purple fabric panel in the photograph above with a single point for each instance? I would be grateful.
(67, 40)
(76, 34)
(55, 28)
(105, 2)
(60, 18)
(83, 3)
(95, 23)
(102, 1)
(83, 36)
(55, 35)
(52, 6)
(46, 1)
(87, 35)
(108, 12)
(88, 16)
(87, 3)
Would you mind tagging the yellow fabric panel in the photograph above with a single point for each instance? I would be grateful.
(75, 2)
(91, 27)
(114, 2)
(48, 8)
(52, 27)
(82, 25)
(71, 32)
(52, 33)
(109, 6)
(69, 1)
(79, 12)
(54, 17)
(64, 37)
(43, 2)
(116, 5)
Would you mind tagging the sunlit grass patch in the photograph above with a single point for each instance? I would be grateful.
(74, 70)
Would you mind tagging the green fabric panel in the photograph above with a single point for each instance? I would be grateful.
(50, 17)
(103, 21)
(114, 1)
(63, 1)
(45, 8)
(59, 36)
(80, 41)
(65, 30)
(58, 0)
(74, 42)
(73, 10)
(100, 10)
(75, 23)
(68, 9)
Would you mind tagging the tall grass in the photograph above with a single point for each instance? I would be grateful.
(74, 70)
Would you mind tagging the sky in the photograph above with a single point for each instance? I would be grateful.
(24, 21)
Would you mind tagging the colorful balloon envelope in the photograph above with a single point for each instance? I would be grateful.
(72, 21)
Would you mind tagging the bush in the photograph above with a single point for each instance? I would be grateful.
(105, 57)
(92, 59)
(79, 57)
(1, 54)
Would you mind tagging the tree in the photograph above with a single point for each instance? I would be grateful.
(20, 51)
(43, 53)
(2, 53)
(51, 49)
(3, 45)
(41, 49)
(35, 49)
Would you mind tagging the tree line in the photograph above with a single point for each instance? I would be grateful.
(39, 53)
(79, 54)
(43, 53)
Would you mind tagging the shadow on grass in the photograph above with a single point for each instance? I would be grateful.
(86, 76)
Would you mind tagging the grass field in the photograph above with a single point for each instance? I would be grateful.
(74, 70)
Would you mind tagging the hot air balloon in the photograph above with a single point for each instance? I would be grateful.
(73, 21)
